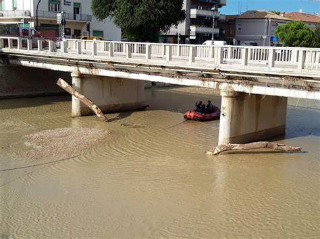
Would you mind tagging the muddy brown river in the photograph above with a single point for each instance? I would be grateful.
(151, 178)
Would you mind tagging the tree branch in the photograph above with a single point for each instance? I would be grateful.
(64, 85)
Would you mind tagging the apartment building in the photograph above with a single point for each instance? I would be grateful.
(258, 27)
(79, 18)
(198, 26)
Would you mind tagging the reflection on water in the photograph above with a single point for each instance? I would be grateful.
(151, 177)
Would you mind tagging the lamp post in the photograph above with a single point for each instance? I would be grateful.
(213, 9)
(37, 17)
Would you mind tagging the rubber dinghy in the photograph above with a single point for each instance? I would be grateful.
(193, 115)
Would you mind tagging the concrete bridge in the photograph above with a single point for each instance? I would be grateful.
(255, 82)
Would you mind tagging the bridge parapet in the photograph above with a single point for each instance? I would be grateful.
(304, 62)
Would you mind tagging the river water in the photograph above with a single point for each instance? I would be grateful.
(151, 178)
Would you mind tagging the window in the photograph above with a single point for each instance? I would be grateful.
(54, 6)
(97, 33)
(2, 7)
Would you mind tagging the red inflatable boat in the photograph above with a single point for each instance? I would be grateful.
(193, 115)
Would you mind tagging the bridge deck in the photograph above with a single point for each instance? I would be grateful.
(291, 72)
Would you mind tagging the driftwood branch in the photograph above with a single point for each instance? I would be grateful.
(256, 145)
(64, 85)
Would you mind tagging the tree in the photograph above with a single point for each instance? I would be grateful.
(140, 20)
(318, 35)
(296, 34)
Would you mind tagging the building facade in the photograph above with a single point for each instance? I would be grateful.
(258, 28)
(79, 18)
(198, 26)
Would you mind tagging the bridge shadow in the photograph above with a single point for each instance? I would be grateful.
(33, 101)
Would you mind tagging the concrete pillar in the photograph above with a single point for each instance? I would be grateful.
(247, 118)
(76, 103)
(110, 94)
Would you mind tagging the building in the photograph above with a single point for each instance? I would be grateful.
(258, 28)
(312, 21)
(198, 26)
(79, 19)
(228, 29)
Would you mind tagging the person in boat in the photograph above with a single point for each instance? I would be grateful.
(203, 109)
(198, 106)
(210, 107)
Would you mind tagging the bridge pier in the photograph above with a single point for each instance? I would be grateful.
(247, 118)
(109, 94)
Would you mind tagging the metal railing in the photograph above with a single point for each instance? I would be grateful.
(45, 15)
(279, 60)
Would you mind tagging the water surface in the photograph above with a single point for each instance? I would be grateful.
(151, 178)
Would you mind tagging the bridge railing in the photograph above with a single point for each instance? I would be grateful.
(239, 57)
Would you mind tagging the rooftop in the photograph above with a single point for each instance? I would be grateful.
(303, 17)
(261, 14)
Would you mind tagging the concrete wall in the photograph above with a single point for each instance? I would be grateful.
(17, 81)
(246, 118)
(109, 94)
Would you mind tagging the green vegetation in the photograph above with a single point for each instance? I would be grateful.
(276, 12)
(296, 34)
(140, 20)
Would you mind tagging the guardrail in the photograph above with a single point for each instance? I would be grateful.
(274, 59)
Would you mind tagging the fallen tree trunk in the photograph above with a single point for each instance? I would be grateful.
(64, 85)
(257, 145)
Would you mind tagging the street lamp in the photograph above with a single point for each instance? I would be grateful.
(213, 9)
(37, 17)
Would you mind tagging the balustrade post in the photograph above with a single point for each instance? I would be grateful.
(64, 47)
(218, 55)
(29, 44)
(128, 50)
(169, 53)
(229, 53)
(271, 57)
(111, 49)
(179, 51)
(40, 45)
(163, 50)
(51, 46)
(294, 56)
(302, 59)
(192, 54)
(19, 43)
(212, 50)
(78, 45)
(9, 43)
(94, 48)
(148, 51)
(245, 56)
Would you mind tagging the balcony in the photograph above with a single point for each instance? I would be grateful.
(44, 15)
(219, 2)
(194, 13)
(15, 14)
(69, 16)
(205, 30)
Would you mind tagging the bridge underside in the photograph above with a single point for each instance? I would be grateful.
(253, 106)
